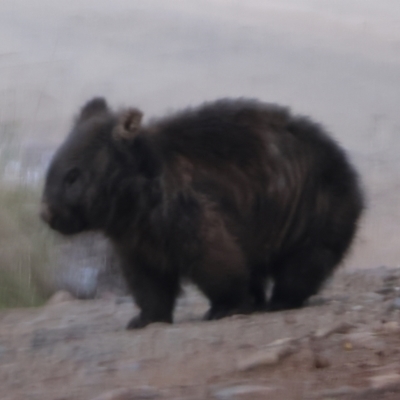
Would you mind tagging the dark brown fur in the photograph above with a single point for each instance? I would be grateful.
(231, 195)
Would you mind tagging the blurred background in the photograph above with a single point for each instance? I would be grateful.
(337, 61)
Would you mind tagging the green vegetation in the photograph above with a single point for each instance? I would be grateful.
(25, 243)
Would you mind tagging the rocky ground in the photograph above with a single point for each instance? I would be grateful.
(344, 345)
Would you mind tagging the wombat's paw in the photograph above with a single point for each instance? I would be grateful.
(260, 308)
(215, 313)
(137, 323)
(281, 305)
(211, 314)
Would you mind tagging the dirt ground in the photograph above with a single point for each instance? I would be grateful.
(344, 345)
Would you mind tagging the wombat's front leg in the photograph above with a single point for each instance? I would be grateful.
(155, 294)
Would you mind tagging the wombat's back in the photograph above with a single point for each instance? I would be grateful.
(276, 177)
(225, 131)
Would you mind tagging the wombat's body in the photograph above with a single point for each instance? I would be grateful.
(230, 195)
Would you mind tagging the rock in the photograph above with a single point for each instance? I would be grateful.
(385, 290)
(290, 318)
(322, 360)
(48, 338)
(304, 358)
(281, 342)
(123, 300)
(383, 381)
(318, 301)
(347, 346)
(341, 327)
(62, 296)
(107, 295)
(372, 297)
(129, 394)
(391, 327)
(260, 359)
(366, 340)
(87, 266)
(369, 364)
(390, 279)
(339, 308)
(242, 392)
(117, 394)
(395, 304)
(159, 325)
(271, 355)
(7, 353)
(337, 392)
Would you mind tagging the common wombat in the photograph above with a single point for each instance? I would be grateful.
(230, 195)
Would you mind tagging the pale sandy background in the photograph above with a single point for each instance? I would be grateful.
(336, 60)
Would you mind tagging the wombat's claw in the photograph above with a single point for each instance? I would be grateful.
(211, 315)
(137, 323)
(223, 312)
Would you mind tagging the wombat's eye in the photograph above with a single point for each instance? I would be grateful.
(71, 176)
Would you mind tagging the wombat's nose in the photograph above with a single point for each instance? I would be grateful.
(45, 212)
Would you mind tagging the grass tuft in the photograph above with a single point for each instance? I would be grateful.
(26, 246)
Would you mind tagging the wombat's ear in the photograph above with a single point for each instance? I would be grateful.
(128, 124)
(93, 107)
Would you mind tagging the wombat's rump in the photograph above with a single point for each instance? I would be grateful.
(230, 195)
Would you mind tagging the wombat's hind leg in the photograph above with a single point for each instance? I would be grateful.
(155, 295)
(258, 287)
(257, 290)
(228, 293)
(225, 308)
(222, 274)
(300, 275)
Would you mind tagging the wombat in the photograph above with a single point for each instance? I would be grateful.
(232, 195)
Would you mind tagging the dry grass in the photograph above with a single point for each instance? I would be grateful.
(25, 245)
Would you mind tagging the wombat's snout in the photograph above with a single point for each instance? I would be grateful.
(45, 213)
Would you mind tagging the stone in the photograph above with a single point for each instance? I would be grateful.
(395, 304)
(318, 301)
(117, 394)
(48, 338)
(391, 327)
(290, 318)
(62, 296)
(372, 297)
(242, 391)
(322, 360)
(385, 290)
(365, 340)
(339, 308)
(337, 392)
(304, 358)
(391, 278)
(271, 355)
(383, 381)
(7, 353)
(142, 393)
(123, 300)
(347, 346)
(341, 327)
